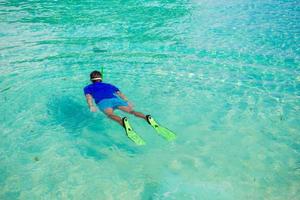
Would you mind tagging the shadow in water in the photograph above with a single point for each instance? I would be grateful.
(150, 189)
(76, 119)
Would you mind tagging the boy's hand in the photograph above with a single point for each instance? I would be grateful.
(130, 104)
(89, 100)
(93, 109)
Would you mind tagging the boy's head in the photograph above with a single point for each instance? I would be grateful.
(96, 76)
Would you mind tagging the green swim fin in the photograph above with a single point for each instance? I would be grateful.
(164, 132)
(131, 134)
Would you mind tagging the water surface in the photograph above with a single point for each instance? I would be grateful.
(224, 75)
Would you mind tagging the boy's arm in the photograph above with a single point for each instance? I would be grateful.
(120, 94)
(89, 100)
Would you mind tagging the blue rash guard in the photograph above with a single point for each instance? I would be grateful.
(100, 91)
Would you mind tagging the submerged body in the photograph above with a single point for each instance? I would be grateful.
(108, 97)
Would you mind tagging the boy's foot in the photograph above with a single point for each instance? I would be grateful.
(164, 132)
(151, 120)
(131, 134)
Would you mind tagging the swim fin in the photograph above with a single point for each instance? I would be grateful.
(131, 134)
(164, 132)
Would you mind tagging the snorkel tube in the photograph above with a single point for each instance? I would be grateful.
(102, 72)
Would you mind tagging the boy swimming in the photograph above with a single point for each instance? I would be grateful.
(108, 97)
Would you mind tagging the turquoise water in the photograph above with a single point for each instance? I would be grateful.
(224, 75)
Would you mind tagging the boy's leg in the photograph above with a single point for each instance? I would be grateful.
(131, 111)
(110, 113)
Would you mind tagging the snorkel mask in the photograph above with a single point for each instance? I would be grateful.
(96, 79)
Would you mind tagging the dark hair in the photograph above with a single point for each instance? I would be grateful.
(95, 74)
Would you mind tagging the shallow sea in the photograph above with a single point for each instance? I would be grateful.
(223, 75)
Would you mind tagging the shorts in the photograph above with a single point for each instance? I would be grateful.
(111, 103)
